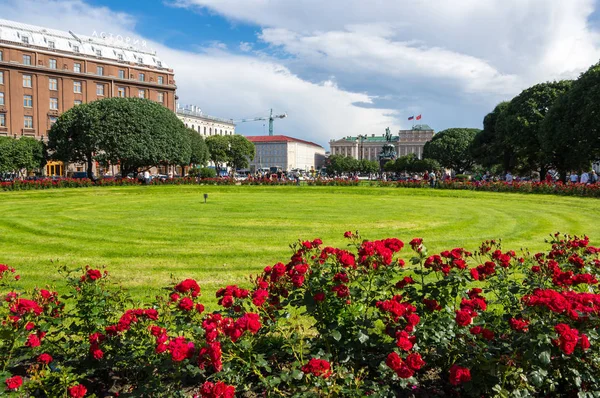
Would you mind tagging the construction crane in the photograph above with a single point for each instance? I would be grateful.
(270, 118)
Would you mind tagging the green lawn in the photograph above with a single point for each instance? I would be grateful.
(145, 234)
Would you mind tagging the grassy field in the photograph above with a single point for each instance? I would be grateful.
(145, 234)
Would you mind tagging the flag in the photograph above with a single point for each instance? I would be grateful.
(419, 117)
(411, 118)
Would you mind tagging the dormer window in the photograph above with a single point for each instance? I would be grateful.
(98, 53)
(141, 60)
(120, 57)
(51, 45)
(25, 39)
(159, 64)
(76, 49)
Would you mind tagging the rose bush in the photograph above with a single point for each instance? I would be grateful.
(349, 321)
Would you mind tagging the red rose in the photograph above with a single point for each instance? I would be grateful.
(259, 297)
(94, 274)
(318, 367)
(45, 359)
(404, 371)
(227, 301)
(348, 234)
(476, 330)
(13, 383)
(33, 341)
(459, 375)
(186, 304)
(474, 273)
(188, 285)
(463, 318)
(319, 297)
(77, 391)
(488, 334)
(404, 343)
(584, 342)
(200, 308)
(414, 361)
(393, 361)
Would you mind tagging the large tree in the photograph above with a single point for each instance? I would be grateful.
(519, 125)
(199, 155)
(21, 154)
(451, 148)
(132, 132)
(487, 150)
(74, 138)
(239, 151)
(218, 148)
(571, 134)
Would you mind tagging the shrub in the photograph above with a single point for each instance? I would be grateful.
(350, 321)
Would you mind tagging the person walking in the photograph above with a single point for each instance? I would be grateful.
(432, 179)
(585, 178)
(147, 177)
(508, 178)
(574, 178)
(593, 177)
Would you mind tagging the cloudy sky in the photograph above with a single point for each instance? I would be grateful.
(341, 67)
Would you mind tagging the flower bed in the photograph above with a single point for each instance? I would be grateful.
(350, 321)
(586, 190)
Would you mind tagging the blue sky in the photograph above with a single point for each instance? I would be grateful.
(345, 67)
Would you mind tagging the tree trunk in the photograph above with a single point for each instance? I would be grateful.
(89, 167)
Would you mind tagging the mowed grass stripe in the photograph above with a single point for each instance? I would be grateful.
(145, 234)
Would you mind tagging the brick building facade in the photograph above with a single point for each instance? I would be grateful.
(44, 72)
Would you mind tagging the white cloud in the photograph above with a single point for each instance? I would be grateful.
(245, 46)
(224, 84)
(492, 46)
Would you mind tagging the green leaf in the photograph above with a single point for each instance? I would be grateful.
(336, 335)
(544, 357)
(362, 337)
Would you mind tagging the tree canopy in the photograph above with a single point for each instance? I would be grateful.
(486, 148)
(519, 125)
(132, 132)
(571, 132)
(240, 151)
(218, 148)
(199, 151)
(24, 153)
(451, 148)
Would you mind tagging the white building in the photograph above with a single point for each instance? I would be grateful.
(287, 153)
(369, 146)
(205, 125)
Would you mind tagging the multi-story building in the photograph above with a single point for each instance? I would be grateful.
(369, 146)
(286, 153)
(205, 125)
(44, 72)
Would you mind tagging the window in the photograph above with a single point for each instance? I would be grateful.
(52, 120)
(1, 98)
(51, 45)
(26, 80)
(26, 59)
(99, 89)
(2, 120)
(140, 60)
(142, 77)
(77, 87)
(75, 49)
(77, 102)
(204, 130)
(120, 57)
(27, 101)
(121, 92)
(160, 80)
(0, 55)
(1, 77)
(53, 84)
(121, 74)
(160, 97)
(52, 63)
(98, 53)
(142, 94)
(221, 132)
(159, 64)
(100, 70)
(54, 104)
(77, 67)
(25, 39)
(28, 122)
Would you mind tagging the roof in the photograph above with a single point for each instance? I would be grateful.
(267, 139)
(116, 49)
